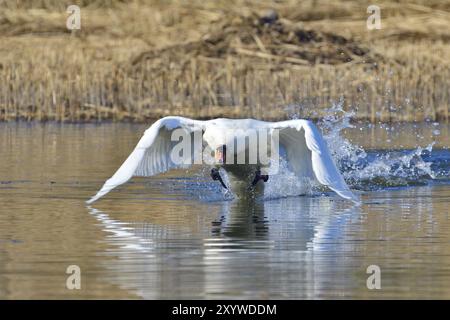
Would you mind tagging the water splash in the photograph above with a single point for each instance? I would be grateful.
(368, 170)
(362, 169)
(286, 184)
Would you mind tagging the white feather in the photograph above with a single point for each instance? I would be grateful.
(309, 156)
(151, 155)
(307, 152)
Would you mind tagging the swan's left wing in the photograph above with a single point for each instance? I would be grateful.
(152, 154)
(308, 155)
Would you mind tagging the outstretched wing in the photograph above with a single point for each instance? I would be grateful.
(308, 155)
(152, 154)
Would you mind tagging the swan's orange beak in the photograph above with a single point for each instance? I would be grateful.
(220, 154)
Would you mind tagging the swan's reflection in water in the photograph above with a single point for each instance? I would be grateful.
(283, 248)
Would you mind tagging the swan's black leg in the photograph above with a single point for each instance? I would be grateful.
(215, 175)
(259, 176)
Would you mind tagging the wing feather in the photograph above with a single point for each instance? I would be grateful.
(151, 155)
(308, 155)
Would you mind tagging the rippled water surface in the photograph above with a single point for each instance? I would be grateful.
(175, 236)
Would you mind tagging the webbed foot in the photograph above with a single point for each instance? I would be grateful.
(215, 175)
(259, 176)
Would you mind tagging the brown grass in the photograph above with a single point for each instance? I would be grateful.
(135, 60)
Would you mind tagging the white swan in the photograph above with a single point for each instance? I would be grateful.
(299, 140)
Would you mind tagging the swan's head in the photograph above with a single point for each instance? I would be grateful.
(220, 154)
(217, 141)
(225, 141)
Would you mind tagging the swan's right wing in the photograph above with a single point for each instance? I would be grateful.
(152, 154)
(308, 155)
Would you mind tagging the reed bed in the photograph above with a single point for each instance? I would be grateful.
(140, 60)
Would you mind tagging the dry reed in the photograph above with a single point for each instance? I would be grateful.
(145, 59)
